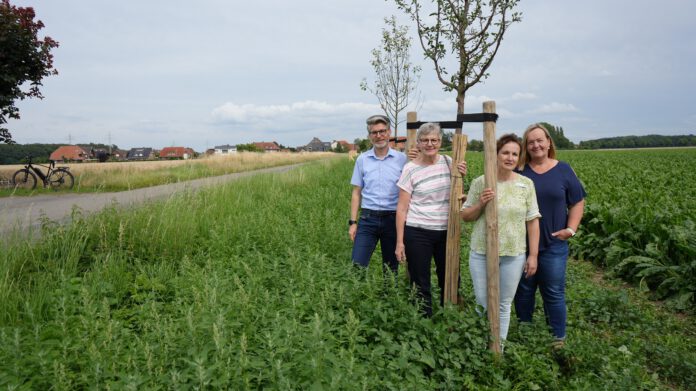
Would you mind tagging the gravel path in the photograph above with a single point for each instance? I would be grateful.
(26, 212)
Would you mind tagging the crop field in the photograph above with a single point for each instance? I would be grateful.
(118, 176)
(640, 222)
(249, 286)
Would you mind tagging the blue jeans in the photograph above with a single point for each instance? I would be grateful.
(376, 226)
(550, 278)
(510, 273)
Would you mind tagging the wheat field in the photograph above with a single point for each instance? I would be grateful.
(115, 176)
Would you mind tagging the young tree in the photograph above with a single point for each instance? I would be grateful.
(362, 144)
(24, 58)
(472, 30)
(396, 79)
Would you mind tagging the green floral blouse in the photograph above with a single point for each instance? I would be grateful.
(517, 204)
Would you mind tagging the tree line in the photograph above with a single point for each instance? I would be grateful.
(562, 142)
(16, 153)
(649, 141)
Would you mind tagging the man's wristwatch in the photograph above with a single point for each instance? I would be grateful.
(572, 232)
(351, 222)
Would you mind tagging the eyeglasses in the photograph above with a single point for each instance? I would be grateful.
(380, 132)
(426, 141)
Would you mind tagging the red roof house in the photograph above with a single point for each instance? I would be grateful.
(69, 153)
(176, 153)
(268, 146)
(345, 144)
(399, 144)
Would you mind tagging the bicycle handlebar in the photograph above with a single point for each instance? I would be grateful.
(30, 160)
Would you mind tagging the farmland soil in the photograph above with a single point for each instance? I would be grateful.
(26, 213)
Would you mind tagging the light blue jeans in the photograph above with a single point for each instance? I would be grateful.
(511, 268)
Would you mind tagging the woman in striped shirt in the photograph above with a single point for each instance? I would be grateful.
(421, 213)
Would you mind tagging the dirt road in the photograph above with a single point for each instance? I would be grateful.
(25, 212)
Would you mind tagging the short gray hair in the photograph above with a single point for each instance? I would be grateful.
(377, 118)
(429, 128)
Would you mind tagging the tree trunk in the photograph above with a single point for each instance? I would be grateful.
(459, 142)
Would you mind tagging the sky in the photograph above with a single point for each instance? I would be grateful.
(162, 73)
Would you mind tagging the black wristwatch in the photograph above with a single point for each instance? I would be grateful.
(351, 222)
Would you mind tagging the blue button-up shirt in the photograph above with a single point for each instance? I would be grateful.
(377, 179)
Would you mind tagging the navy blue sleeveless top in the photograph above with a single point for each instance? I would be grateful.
(556, 190)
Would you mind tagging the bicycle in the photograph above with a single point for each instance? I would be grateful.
(55, 178)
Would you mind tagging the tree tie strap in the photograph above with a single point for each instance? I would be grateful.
(461, 118)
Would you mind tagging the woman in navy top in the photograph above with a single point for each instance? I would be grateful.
(561, 200)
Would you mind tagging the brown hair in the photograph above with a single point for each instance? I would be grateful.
(524, 158)
(507, 138)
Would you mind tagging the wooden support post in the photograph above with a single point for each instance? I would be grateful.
(459, 142)
(492, 256)
(411, 116)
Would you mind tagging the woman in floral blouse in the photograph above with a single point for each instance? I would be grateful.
(518, 219)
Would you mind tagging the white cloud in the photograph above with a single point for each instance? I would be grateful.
(297, 111)
(554, 108)
(523, 96)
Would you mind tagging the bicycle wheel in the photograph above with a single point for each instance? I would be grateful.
(61, 179)
(24, 179)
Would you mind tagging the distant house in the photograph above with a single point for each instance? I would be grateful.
(176, 153)
(140, 154)
(268, 146)
(119, 154)
(317, 145)
(399, 144)
(69, 153)
(225, 149)
(345, 144)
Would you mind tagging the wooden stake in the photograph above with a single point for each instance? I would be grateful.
(411, 116)
(492, 258)
(459, 142)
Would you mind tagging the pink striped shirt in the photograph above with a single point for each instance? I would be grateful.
(429, 187)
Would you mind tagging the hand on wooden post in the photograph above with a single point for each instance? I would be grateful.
(486, 195)
(413, 153)
(462, 168)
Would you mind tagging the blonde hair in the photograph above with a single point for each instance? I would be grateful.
(524, 157)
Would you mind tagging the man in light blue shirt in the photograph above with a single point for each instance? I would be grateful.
(375, 193)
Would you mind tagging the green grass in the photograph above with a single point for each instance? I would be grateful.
(249, 285)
